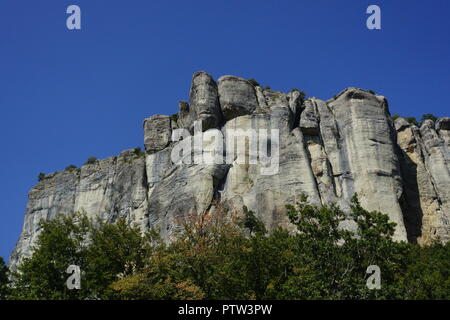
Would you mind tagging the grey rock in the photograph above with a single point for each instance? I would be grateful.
(309, 123)
(425, 172)
(204, 101)
(109, 189)
(368, 164)
(157, 133)
(237, 97)
(328, 150)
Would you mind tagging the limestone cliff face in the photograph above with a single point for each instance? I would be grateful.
(327, 150)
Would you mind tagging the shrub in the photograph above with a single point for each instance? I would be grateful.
(253, 82)
(428, 116)
(138, 152)
(302, 93)
(395, 117)
(71, 167)
(412, 120)
(91, 160)
(174, 117)
(371, 91)
(41, 176)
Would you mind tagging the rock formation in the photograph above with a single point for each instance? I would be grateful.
(327, 150)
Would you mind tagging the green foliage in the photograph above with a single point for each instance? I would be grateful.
(71, 167)
(427, 275)
(104, 252)
(4, 282)
(412, 120)
(253, 82)
(267, 88)
(138, 152)
(174, 117)
(302, 93)
(116, 251)
(252, 223)
(231, 255)
(41, 176)
(371, 91)
(91, 160)
(428, 116)
(59, 245)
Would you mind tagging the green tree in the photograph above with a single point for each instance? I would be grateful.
(231, 255)
(253, 82)
(60, 244)
(202, 262)
(412, 120)
(116, 250)
(4, 282)
(103, 251)
(91, 160)
(332, 259)
(427, 275)
(428, 116)
(302, 93)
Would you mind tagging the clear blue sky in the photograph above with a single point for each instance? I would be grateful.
(68, 95)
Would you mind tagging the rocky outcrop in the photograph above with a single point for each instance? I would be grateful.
(327, 150)
(425, 162)
(237, 97)
(157, 133)
(204, 103)
(109, 189)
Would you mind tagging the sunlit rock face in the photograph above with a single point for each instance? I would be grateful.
(328, 150)
(425, 162)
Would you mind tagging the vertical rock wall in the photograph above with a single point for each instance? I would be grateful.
(327, 150)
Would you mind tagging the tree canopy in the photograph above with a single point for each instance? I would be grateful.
(231, 255)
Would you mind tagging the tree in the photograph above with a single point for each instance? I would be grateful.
(202, 262)
(116, 251)
(302, 93)
(427, 275)
(174, 117)
(103, 251)
(333, 258)
(91, 160)
(412, 120)
(252, 223)
(428, 116)
(253, 82)
(4, 281)
(227, 255)
(60, 244)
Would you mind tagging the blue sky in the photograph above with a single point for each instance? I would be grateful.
(68, 95)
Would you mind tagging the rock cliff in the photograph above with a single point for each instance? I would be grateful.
(327, 150)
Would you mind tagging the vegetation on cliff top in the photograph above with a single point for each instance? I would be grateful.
(413, 120)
